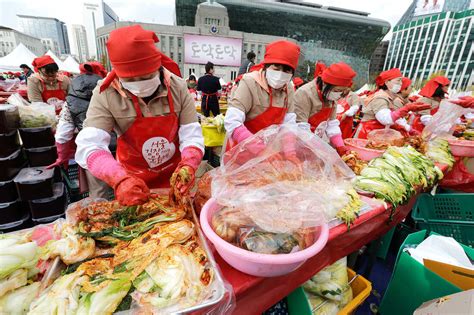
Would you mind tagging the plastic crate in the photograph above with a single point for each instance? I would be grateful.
(71, 181)
(447, 214)
(298, 303)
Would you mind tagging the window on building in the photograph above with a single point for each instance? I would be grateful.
(233, 75)
(171, 42)
(171, 55)
(180, 42)
(180, 57)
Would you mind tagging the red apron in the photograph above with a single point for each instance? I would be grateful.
(417, 124)
(365, 127)
(47, 94)
(207, 95)
(322, 116)
(149, 149)
(271, 116)
(347, 123)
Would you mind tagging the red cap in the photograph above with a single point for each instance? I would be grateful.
(297, 81)
(95, 67)
(42, 61)
(406, 82)
(282, 52)
(132, 51)
(319, 68)
(388, 75)
(430, 87)
(339, 74)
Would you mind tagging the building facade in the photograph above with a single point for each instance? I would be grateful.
(377, 61)
(51, 44)
(45, 27)
(79, 44)
(325, 33)
(10, 38)
(210, 39)
(96, 13)
(441, 42)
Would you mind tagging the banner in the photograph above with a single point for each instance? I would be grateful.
(424, 7)
(221, 51)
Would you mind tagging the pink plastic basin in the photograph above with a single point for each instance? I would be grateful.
(255, 264)
(462, 147)
(359, 145)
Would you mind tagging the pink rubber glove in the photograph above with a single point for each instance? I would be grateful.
(410, 107)
(464, 101)
(191, 157)
(240, 134)
(338, 143)
(129, 190)
(65, 153)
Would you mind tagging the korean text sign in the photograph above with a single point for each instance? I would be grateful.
(222, 51)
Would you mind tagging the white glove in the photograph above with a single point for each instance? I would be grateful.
(352, 110)
(425, 119)
(403, 122)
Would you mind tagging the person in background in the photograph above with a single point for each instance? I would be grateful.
(347, 107)
(263, 97)
(46, 84)
(27, 72)
(380, 110)
(147, 103)
(192, 85)
(434, 91)
(247, 63)
(315, 102)
(297, 82)
(209, 86)
(72, 117)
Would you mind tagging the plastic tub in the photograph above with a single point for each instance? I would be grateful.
(464, 148)
(9, 118)
(359, 146)
(259, 265)
(41, 156)
(49, 207)
(35, 183)
(8, 192)
(11, 165)
(11, 212)
(37, 137)
(9, 143)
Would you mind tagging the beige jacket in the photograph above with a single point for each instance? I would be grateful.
(353, 99)
(427, 100)
(113, 108)
(35, 88)
(307, 103)
(380, 100)
(252, 95)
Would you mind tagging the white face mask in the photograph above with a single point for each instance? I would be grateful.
(334, 96)
(142, 88)
(277, 79)
(396, 88)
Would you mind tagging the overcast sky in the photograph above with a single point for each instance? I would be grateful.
(162, 11)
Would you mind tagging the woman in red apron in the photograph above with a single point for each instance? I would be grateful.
(264, 97)
(151, 147)
(434, 91)
(46, 85)
(380, 109)
(346, 108)
(315, 102)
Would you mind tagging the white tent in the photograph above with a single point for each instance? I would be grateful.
(71, 65)
(56, 60)
(366, 87)
(13, 60)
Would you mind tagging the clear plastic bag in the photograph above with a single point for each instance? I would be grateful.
(284, 179)
(9, 85)
(443, 122)
(383, 138)
(36, 115)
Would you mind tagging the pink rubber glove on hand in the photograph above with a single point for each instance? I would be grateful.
(240, 134)
(464, 101)
(129, 190)
(410, 107)
(338, 143)
(65, 153)
(191, 157)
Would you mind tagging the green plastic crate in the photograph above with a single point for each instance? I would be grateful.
(447, 214)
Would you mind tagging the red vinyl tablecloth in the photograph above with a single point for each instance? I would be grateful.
(254, 295)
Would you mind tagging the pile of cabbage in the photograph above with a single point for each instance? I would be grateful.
(438, 151)
(398, 174)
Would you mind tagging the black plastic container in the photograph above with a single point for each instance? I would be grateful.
(50, 207)
(9, 118)
(8, 192)
(9, 143)
(12, 212)
(37, 137)
(11, 165)
(35, 183)
(41, 156)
